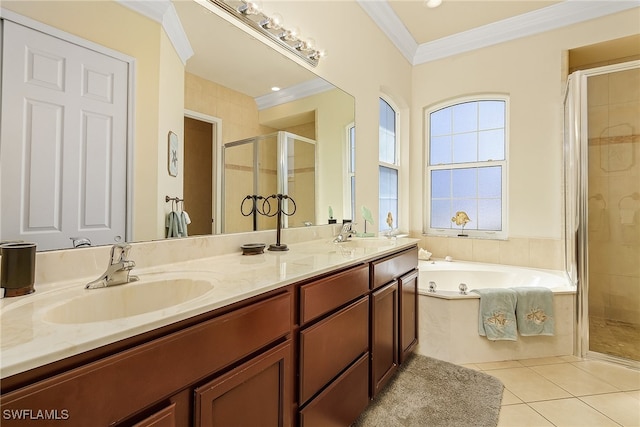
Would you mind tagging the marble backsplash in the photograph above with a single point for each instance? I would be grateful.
(89, 263)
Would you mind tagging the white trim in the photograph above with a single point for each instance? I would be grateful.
(384, 16)
(292, 93)
(559, 15)
(164, 13)
(216, 175)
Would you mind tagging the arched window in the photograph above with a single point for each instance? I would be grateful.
(466, 167)
(388, 166)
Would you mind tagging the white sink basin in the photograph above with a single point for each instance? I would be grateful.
(131, 299)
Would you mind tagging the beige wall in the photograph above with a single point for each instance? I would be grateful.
(334, 111)
(532, 72)
(365, 64)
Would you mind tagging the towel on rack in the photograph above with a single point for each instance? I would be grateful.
(496, 316)
(184, 221)
(174, 225)
(534, 311)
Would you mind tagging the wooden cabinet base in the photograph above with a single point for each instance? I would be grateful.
(340, 404)
(254, 394)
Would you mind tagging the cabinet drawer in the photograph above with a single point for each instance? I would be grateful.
(387, 269)
(341, 403)
(326, 294)
(331, 345)
(121, 384)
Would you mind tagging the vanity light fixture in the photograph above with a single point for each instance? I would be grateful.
(432, 3)
(271, 26)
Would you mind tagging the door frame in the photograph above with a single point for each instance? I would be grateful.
(131, 83)
(216, 164)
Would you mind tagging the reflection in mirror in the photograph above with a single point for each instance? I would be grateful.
(255, 168)
(226, 85)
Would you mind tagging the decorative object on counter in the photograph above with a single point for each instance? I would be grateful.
(254, 210)
(266, 210)
(424, 254)
(18, 273)
(248, 11)
(178, 219)
(173, 154)
(462, 219)
(390, 220)
(253, 248)
(366, 215)
(332, 220)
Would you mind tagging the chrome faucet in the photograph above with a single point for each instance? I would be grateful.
(118, 269)
(345, 233)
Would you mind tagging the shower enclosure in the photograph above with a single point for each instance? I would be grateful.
(276, 163)
(602, 208)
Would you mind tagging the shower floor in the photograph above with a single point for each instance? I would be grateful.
(614, 338)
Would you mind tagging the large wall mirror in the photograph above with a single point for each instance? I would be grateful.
(219, 98)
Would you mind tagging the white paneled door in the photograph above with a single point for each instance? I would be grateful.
(63, 142)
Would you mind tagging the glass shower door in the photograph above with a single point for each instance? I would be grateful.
(602, 189)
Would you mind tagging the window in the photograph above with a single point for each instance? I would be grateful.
(388, 166)
(350, 184)
(467, 168)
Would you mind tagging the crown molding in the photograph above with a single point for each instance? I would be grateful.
(164, 13)
(528, 24)
(387, 20)
(538, 21)
(292, 93)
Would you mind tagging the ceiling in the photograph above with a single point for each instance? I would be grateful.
(420, 33)
(455, 16)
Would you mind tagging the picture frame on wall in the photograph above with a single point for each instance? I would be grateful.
(173, 154)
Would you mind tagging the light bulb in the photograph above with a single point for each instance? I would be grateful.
(432, 3)
(272, 23)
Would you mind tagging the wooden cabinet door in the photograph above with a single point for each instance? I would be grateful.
(164, 418)
(384, 335)
(408, 307)
(257, 393)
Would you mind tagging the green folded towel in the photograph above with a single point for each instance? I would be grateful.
(534, 311)
(496, 316)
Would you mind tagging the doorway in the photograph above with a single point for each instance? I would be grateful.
(200, 142)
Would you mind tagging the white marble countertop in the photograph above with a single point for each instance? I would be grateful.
(29, 340)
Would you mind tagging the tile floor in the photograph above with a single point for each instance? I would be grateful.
(566, 391)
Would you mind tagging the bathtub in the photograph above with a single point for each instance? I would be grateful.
(448, 319)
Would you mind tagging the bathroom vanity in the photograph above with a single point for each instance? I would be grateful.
(311, 345)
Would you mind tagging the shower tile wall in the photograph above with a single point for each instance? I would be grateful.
(614, 206)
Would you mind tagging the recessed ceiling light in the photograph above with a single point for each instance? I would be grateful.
(432, 3)
(275, 88)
